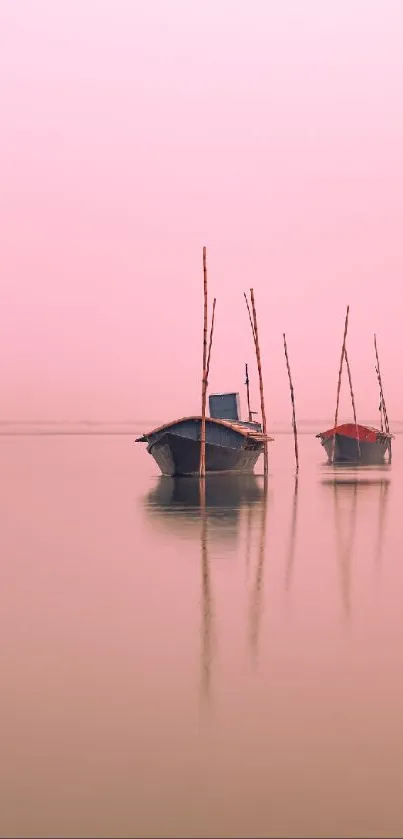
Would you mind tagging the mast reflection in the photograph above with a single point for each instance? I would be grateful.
(213, 507)
(207, 611)
(383, 500)
(346, 490)
(289, 565)
(255, 612)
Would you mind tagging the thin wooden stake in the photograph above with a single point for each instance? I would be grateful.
(247, 393)
(250, 317)
(210, 342)
(352, 402)
(294, 424)
(202, 466)
(259, 367)
(383, 403)
(205, 308)
(378, 372)
(339, 382)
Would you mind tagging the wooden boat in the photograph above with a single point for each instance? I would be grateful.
(355, 444)
(231, 444)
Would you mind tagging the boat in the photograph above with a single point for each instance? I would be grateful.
(352, 443)
(232, 445)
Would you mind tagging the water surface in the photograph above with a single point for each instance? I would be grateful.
(181, 666)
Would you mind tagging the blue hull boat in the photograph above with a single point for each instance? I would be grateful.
(231, 446)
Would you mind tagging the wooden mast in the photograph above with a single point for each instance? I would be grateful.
(352, 401)
(202, 466)
(210, 342)
(254, 327)
(294, 424)
(383, 404)
(378, 372)
(247, 393)
(339, 382)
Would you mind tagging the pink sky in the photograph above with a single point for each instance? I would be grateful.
(133, 133)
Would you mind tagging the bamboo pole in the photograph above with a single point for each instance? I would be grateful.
(247, 393)
(339, 381)
(202, 466)
(253, 322)
(202, 469)
(380, 408)
(250, 317)
(294, 424)
(383, 403)
(352, 401)
(210, 342)
(378, 372)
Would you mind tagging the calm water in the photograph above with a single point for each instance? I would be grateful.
(178, 671)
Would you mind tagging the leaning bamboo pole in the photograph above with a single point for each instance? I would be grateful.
(378, 372)
(383, 403)
(255, 333)
(250, 317)
(339, 382)
(210, 342)
(294, 423)
(247, 393)
(352, 402)
(202, 465)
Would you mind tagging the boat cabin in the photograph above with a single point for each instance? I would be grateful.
(226, 406)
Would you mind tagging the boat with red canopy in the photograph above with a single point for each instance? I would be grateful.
(352, 442)
(355, 443)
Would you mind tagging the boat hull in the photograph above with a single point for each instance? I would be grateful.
(230, 447)
(346, 450)
(176, 455)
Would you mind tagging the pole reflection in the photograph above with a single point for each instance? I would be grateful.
(255, 611)
(290, 556)
(207, 611)
(345, 544)
(346, 491)
(383, 501)
(214, 509)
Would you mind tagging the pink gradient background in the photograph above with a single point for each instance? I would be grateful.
(133, 133)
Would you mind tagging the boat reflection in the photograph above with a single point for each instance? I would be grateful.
(216, 507)
(347, 488)
(176, 502)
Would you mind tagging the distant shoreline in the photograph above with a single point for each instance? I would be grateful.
(46, 428)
